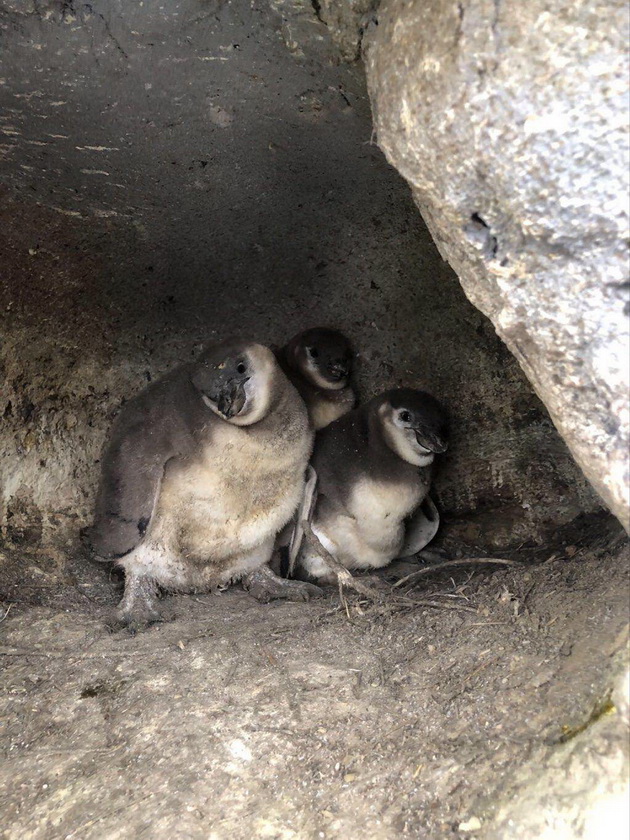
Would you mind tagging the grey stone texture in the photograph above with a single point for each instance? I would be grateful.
(347, 21)
(509, 121)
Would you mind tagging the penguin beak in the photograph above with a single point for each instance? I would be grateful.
(338, 371)
(431, 442)
(230, 398)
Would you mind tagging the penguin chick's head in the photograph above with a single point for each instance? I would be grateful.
(234, 379)
(414, 425)
(323, 357)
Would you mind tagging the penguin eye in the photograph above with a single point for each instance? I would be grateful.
(405, 416)
(313, 352)
(241, 367)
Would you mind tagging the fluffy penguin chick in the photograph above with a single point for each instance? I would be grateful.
(203, 469)
(319, 363)
(374, 468)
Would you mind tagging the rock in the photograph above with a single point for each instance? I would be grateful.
(219, 116)
(509, 119)
(473, 824)
(347, 21)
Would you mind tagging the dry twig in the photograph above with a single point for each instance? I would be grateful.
(344, 578)
(448, 564)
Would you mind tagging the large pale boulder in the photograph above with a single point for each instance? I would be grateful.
(509, 120)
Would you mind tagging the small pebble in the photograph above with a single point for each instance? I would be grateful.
(473, 824)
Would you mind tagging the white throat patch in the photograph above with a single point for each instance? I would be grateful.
(402, 442)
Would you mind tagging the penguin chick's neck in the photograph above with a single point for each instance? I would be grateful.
(391, 439)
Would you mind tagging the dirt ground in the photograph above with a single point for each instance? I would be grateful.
(426, 714)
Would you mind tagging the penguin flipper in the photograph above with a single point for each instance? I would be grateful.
(133, 468)
(421, 527)
(304, 513)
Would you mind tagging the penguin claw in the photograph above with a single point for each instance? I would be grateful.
(266, 586)
(301, 591)
(138, 608)
(134, 622)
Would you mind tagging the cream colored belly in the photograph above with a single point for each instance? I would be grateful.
(234, 498)
(373, 535)
(203, 513)
(212, 527)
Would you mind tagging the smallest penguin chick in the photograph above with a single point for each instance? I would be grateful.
(374, 469)
(318, 362)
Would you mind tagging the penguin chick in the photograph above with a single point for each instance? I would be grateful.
(319, 363)
(374, 468)
(203, 469)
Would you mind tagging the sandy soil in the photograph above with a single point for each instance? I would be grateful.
(425, 714)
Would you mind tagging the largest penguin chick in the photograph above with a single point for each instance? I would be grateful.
(374, 469)
(203, 469)
(319, 363)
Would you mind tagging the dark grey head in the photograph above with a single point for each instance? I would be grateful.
(234, 379)
(323, 356)
(414, 425)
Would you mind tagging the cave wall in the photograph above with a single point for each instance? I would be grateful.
(175, 173)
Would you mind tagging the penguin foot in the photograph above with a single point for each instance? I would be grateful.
(138, 608)
(133, 623)
(266, 586)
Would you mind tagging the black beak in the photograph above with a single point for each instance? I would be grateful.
(434, 443)
(338, 371)
(224, 403)
(230, 398)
